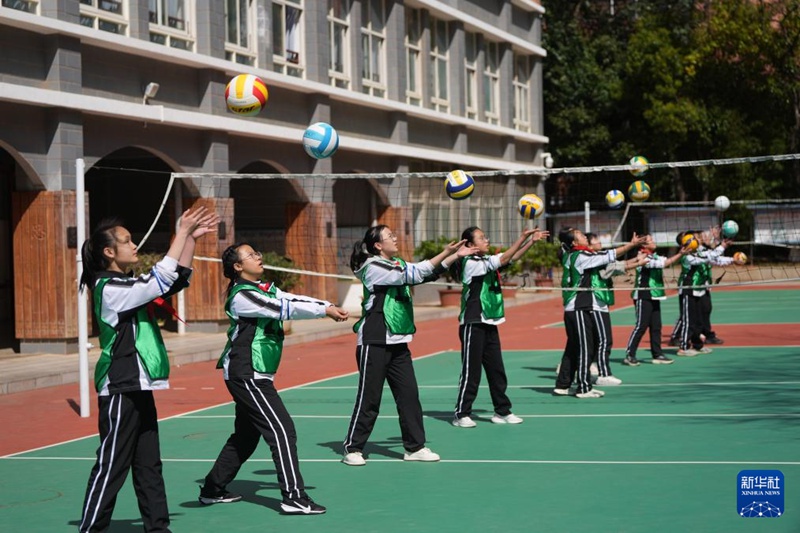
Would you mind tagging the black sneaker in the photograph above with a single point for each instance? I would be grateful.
(301, 506)
(714, 340)
(631, 361)
(223, 497)
(660, 359)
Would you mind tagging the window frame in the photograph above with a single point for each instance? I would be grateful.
(491, 82)
(283, 63)
(339, 79)
(435, 58)
(235, 50)
(471, 76)
(522, 94)
(414, 95)
(372, 36)
(99, 15)
(173, 35)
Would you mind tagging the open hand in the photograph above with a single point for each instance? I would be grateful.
(336, 313)
(190, 219)
(208, 224)
(454, 246)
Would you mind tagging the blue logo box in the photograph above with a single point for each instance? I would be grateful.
(759, 493)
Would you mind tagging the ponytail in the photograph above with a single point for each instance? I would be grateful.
(567, 237)
(229, 258)
(92, 257)
(364, 248)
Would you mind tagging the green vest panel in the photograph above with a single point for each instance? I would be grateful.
(266, 346)
(148, 343)
(398, 309)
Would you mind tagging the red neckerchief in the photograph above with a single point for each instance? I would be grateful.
(583, 249)
(265, 286)
(162, 303)
(646, 252)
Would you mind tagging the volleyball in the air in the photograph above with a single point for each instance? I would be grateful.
(246, 94)
(639, 191)
(459, 185)
(740, 258)
(320, 140)
(722, 203)
(531, 206)
(639, 163)
(690, 241)
(729, 229)
(615, 198)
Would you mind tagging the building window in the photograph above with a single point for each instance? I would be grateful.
(414, 57)
(471, 78)
(171, 24)
(440, 38)
(29, 6)
(339, 26)
(240, 42)
(373, 52)
(491, 82)
(287, 37)
(106, 15)
(522, 92)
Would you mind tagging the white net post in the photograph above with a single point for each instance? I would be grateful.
(83, 308)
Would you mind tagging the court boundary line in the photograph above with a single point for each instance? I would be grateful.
(69, 441)
(615, 387)
(455, 461)
(567, 415)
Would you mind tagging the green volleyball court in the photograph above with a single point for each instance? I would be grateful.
(659, 453)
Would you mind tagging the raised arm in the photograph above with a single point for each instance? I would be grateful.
(635, 241)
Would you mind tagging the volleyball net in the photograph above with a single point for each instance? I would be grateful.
(306, 224)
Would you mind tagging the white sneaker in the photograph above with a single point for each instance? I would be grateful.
(705, 350)
(354, 459)
(510, 418)
(689, 352)
(594, 393)
(423, 454)
(464, 422)
(607, 380)
(593, 369)
(561, 392)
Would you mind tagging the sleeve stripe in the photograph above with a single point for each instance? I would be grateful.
(260, 302)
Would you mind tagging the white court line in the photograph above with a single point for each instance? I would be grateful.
(456, 461)
(607, 415)
(623, 386)
(205, 408)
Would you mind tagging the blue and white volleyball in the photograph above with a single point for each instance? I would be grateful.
(459, 185)
(320, 140)
(615, 199)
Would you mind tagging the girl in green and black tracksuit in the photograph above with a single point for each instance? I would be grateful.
(249, 362)
(647, 295)
(693, 285)
(481, 312)
(132, 364)
(581, 272)
(384, 331)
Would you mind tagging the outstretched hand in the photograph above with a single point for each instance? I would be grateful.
(637, 240)
(336, 313)
(190, 219)
(464, 251)
(454, 246)
(208, 224)
(536, 234)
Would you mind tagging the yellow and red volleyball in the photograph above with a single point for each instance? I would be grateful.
(531, 206)
(246, 95)
(690, 241)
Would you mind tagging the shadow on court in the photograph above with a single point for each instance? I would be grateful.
(384, 448)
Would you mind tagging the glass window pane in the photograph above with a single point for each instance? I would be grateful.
(244, 33)
(442, 74)
(293, 34)
(277, 29)
(230, 21)
(377, 45)
(154, 13)
(365, 60)
(377, 15)
(441, 36)
(337, 53)
(339, 8)
(413, 26)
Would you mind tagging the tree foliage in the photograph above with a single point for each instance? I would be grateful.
(676, 80)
